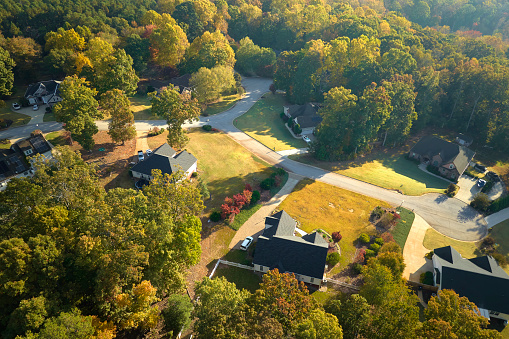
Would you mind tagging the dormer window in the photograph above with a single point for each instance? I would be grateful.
(28, 152)
(451, 166)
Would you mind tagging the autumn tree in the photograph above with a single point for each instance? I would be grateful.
(26, 54)
(319, 324)
(353, 314)
(6, 74)
(252, 59)
(116, 104)
(209, 84)
(168, 42)
(177, 109)
(78, 110)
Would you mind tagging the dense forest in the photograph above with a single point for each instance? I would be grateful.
(74, 257)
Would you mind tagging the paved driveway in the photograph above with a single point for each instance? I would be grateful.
(468, 189)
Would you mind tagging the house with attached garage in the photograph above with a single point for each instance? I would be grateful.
(44, 92)
(279, 248)
(450, 159)
(167, 160)
(305, 115)
(480, 279)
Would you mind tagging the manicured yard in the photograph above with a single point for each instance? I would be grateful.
(49, 116)
(318, 205)
(433, 240)
(224, 104)
(225, 165)
(18, 119)
(263, 123)
(241, 277)
(5, 146)
(500, 233)
(56, 138)
(402, 228)
(244, 216)
(141, 107)
(390, 171)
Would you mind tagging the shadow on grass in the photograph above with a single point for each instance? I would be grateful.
(242, 278)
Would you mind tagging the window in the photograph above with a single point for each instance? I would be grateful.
(28, 152)
(312, 280)
(451, 166)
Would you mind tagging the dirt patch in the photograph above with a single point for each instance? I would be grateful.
(111, 159)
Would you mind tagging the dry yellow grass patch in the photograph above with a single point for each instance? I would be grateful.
(318, 205)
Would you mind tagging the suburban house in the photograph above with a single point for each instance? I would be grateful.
(305, 115)
(450, 159)
(279, 248)
(464, 140)
(481, 280)
(13, 161)
(182, 83)
(44, 92)
(167, 160)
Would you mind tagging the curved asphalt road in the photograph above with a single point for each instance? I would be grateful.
(448, 216)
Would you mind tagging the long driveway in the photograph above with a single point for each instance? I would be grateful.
(448, 216)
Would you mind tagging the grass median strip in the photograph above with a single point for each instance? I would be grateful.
(402, 228)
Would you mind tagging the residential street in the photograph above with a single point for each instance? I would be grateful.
(448, 216)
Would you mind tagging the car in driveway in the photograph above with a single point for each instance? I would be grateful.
(480, 168)
(148, 152)
(481, 183)
(141, 157)
(493, 176)
(246, 243)
(16, 106)
(306, 138)
(35, 107)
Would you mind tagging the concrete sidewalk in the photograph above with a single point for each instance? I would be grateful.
(255, 225)
(497, 218)
(293, 151)
(414, 251)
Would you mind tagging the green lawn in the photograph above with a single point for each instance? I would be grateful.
(500, 233)
(241, 277)
(56, 138)
(402, 228)
(263, 123)
(385, 170)
(18, 119)
(433, 240)
(5, 146)
(49, 116)
(224, 104)
(318, 205)
(141, 107)
(244, 216)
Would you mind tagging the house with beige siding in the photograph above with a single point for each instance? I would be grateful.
(279, 248)
(479, 279)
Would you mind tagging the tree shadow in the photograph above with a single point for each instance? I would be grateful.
(467, 213)
(441, 198)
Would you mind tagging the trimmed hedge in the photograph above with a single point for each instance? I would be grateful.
(499, 204)
(333, 258)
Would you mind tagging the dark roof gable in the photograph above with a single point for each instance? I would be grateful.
(166, 160)
(43, 88)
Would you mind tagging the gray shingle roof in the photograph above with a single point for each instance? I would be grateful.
(481, 280)
(309, 121)
(166, 160)
(49, 87)
(308, 109)
(278, 248)
(430, 146)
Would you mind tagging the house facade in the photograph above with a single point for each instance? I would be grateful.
(279, 248)
(44, 92)
(167, 160)
(480, 279)
(450, 159)
(305, 115)
(14, 162)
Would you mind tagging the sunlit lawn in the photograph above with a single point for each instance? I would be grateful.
(56, 138)
(224, 104)
(318, 205)
(225, 165)
(141, 107)
(49, 116)
(402, 228)
(18, 119)
(263, 123)
(388, 171)
(433, 240)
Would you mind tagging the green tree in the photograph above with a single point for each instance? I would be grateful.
(177, 109)
(26, 54)
(319, 325)
(116, 104)
(392, 260)
(115, 72)
(209, 84)
(251, 59)
(29, 316)
(68, 325)
(217, 308)
(353, 314)
(6, 74)
(461, 314)
(138, 48)
(208, 50)
(177, 315)
(78, 109)
(187, 18)
(168, 43)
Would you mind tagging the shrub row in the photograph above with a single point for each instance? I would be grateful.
(274, 180)
(155, 131)
(499, 204)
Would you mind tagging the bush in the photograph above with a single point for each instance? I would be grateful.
(357, 268)
(333, 259)
(364, 238)
(387, 237)
(207, 128)
(481, 202)
(279, 171)
(177, 316)
(370, 253)
(36, 132)
(267, 184)
(488, 245)
(24, 102)
(433, 169)
(290, 123)
(194, 174)
(426, 278)
(374, 247)
(202, 184)
(255, 197)
(284, 117)
(336, 237)
(215, 216)
(500, 258)
(487, 188)
(429, 255)
(5, 141)
(390, 247)
(297, 129)
(452, 189)
(386, 220)
(377, 212)
(379, 241)
(48, 109)
(360, 257)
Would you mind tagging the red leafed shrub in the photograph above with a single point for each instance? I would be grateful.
(387, 237)
(228, 201)
(360, 256)
(247, 194)
(240, 200)
(336, 236)
(225, 210)
(397, 216)
(248, 187)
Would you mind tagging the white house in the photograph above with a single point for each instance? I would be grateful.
(279, 248)
(44, 92)
(166, 160)
(480, 279)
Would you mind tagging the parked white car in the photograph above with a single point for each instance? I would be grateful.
(16, 106)
(246, 243)
(306, 138)
(35, 107)
(141, 157)
(149, 152)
